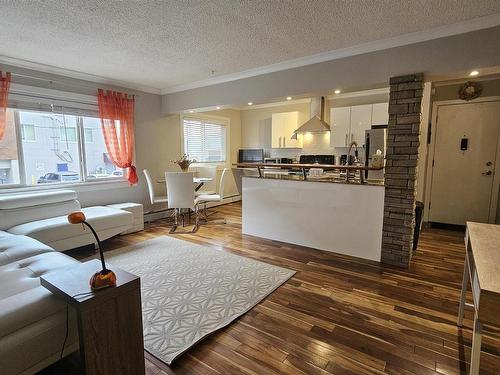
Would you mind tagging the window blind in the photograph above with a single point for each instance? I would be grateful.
(204, 140)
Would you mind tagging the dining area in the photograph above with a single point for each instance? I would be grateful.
(187, 195)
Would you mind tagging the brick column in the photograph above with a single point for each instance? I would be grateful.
(401, 168)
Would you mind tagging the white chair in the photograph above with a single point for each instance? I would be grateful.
(154, 199)
(206, 198)
(208, 187)
(180, 189)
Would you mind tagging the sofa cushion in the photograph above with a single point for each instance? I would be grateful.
(35, 199)
(58, 228)
(19, 276)
(16, 216)
(13, 248)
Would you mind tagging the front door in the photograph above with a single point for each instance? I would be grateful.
(466, 144)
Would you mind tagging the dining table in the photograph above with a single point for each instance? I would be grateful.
(198, 181)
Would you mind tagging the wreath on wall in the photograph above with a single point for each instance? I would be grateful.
(470, 90)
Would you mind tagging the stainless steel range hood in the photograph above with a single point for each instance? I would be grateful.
(317, 122)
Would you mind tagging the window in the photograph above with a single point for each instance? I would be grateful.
(97, 161)
(54, 148)
(54, 156)
(68, 134)
(205, 140)
(89, 135)
(28, 132)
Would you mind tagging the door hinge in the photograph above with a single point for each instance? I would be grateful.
(429, 133)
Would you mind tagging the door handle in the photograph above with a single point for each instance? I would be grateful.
(487, 173)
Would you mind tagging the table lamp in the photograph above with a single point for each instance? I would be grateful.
(105, 277)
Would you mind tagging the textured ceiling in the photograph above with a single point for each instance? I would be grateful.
(161, 44)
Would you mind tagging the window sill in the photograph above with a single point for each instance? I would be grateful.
(78, 186)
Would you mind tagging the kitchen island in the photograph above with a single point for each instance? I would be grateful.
(323, 212)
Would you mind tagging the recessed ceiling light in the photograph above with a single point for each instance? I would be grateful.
(250, 103)
(474, 73)
(217, 107)
(337, 91)
(191, 111)
(288, 98)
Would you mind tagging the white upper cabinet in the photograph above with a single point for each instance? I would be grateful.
(380, 114)
(283, 126)
(340, 124)
(361, 120)
(348, 124)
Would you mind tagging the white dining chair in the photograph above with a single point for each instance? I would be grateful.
(209, 187)
(154, 199)
(180, 189)
(219, 197)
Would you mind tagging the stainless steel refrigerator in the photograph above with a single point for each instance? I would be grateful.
(375, 139)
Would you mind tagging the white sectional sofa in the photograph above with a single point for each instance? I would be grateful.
(43, 216)
(32, 227)
(32, 319)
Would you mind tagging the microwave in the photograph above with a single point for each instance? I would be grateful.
(251, 155)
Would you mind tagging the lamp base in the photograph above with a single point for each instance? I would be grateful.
(102, 279)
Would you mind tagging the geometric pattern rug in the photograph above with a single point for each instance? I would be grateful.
(190, 291)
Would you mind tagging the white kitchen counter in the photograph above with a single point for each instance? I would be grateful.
(337, 217)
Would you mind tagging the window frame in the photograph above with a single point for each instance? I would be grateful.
(22, 185)
(224, 121)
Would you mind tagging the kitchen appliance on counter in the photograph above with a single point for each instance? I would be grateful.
(375, 139)
(317, 159)
(278, 160)
(251, 155)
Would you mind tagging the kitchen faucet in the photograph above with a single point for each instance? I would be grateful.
(348, 162)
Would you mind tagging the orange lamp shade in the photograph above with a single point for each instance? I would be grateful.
(76, 217)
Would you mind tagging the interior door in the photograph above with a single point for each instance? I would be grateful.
(466, 143)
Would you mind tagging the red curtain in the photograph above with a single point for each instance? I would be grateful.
(4, 93)
(116, 111)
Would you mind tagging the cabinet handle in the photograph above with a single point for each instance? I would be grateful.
(280, 142)
(284, 142)
(352, 137)
(346, 139)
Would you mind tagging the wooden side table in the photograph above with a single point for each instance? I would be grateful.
(109, 320)
(482, 268)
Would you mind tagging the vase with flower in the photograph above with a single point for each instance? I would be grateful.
(184, 162)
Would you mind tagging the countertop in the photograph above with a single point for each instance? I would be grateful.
(327, 178)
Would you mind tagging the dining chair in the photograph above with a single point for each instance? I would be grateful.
(219, 197)
(153, 198)
(180, 189)
(209, 187)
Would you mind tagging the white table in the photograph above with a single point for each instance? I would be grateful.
(482, 268)
(198, 181)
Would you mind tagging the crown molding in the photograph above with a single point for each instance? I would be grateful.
(356, 94)
(273, 104)
(397, 41)
(20, 63)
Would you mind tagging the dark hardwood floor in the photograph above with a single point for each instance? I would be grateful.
(337, 315)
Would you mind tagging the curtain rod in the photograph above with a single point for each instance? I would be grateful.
(61, 83)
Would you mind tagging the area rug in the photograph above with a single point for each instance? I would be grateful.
(190, 291)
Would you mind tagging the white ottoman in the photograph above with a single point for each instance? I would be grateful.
(138, 213)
